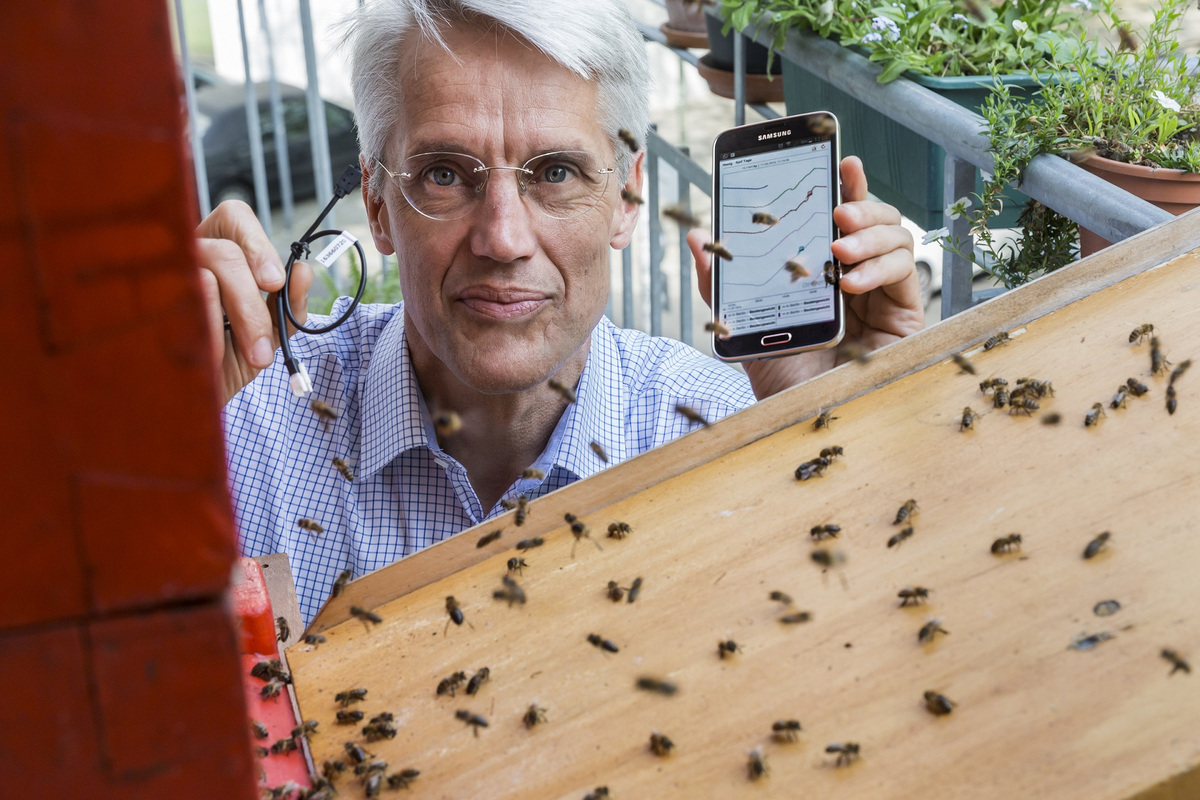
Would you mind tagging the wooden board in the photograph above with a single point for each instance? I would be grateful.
(1034, 718)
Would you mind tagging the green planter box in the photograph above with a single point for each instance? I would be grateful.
(903, 168)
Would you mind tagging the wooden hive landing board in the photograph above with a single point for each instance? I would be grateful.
(1034, 718)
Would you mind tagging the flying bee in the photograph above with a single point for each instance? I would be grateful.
(938, 704)
(929, 630)
(533, 715)
(341, 466)
(401, 779)
(1128, 40)
(832, 452)
(474, 720)
(660, 745)
(596, 640)
(285, 631)
(598, 449)
(853, 351)
(1158, 362)
(517, 565)
(796, 269)
(682, 216)
(719, 250)
(1136, 387)
(1052, 419)
(454, 610)
(906, 512)
(1023, 403)
(913, 594)
(325, 412)
(340, 582)
(1171, 402)
(1120, 398)
(599, 793)
(1178, 372)
(656, 686)
(826, 559)
(533, 473)
(968, 419)
(1006, 544)
(756, 767)
(1000, 398)
(823, 420)
(717, 328)
(727, 647)
(796, 618)
(1140, 333)
(832, 275)
(305, 729)
(632, 197)
(781, 597)
(990, 384)
(635, 589)
(1096, 545)
(615, 592)
(510, 592)
(820, 532)
(580, 530)
(628, 138)
(271, 689)
(691, 414)
(785, 730)
(763, 218)
(367, 616)
(521, 504)
(345, 717)
(449, 685)
(350, 696)
(477, 680)
(900, 536)
(260, 730)
(529, 544)
(311, 525)
(488, 538)
(1177, 663)
(447, 423)
(619, 530)
(964, 365)
(1093, 416)
(847, 752)
(567, 392)
(996, 340)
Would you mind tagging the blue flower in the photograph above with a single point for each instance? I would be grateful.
(871, 37)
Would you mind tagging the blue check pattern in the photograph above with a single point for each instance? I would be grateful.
(407, 492)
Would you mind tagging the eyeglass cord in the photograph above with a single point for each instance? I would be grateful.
(298, 378)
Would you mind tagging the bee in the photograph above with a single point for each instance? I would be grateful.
(1096, 545)
(305, 729)
(325, 412)
(271, 669)
(1106, 608)
(488, 538)
(332, 769)
(1128, 40)
(811, 469)
(796, 618)
(832, 276)
(619, 530)
(1093, 416)
(899, 537)
(824, 558)
(285, 631)
(682, 216)
(356, 753)
(340, 582)
(383, 716)
(567, 392)
(311, 525)
(615, 592)
(368, 617)
(632, 197)
(533, 473)
(580, 530)
(449, 684)
(847, 752)
(1006, 544)
(823, 420)
(968, 420)
(756, 767)
(719, 250)
(832, 452)
(853, 351)
(477, 680)
(938, 704)
(913, 594)
(533, 715)
(906, 512)
(727, 647)
(261, 751)
(1023, 403)
(474, 720)
(660, 745)
(399, 780)
(598, 449)
(991, 384)
(1120, 398)
(964, 365)
(349, 717)
(1136, 387)
(379, 730)
(372, 784)
(796, 269)
(511, 592)
(820, 532)
(929, 630)
(781, 597)
(1158, 362)
(271, 689)
(454, 610)
(529, 544)
(599, 793)
(1086, 642)
(718, 328)
(283, 747)
(1171, 402)
(763, 218)
(656, 685)
(1000, 398)
(1039, 388)
(286, 790)
(260, 730)
(344, 468)
(314, 638)
(995, 341)
(447, 423)
(521, 504)
(1140, 333)
(1178, 372)
(635, 589)
(1052, 419)
(691, 414)
(1177, 663)
(785, 730)
(629, 140)
(604, 644)
(517, 565)
(350, 696)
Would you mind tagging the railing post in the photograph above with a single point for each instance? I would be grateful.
(684, 192)
(656, 248)
(627, 320)
(739, 78)
(282, 161)
(956, 269)
(262, 200)
(189, 92)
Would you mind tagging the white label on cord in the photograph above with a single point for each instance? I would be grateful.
(338, 246)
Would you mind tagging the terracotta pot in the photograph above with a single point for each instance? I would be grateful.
(685, 24)
(1170, 189)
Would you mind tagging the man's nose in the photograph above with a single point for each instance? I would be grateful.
(503, 224)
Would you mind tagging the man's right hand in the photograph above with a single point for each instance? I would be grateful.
(238, 263)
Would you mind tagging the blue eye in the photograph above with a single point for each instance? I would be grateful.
(442, 176)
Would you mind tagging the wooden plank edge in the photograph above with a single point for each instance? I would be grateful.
(1009, 311)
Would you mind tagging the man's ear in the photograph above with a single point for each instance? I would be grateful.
(627, 213)
(377, 211)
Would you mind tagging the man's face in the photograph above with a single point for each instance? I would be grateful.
(503, 297)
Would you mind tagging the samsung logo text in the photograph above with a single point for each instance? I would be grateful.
(774, 135)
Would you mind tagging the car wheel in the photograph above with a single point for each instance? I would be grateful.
(234, 191)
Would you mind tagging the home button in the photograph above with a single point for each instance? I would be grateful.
(775, 338)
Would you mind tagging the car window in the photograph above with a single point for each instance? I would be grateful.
(295, 118)
(337, 119)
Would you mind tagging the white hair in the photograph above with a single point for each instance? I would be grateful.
(595, 39)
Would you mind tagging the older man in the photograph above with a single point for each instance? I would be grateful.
(493, 170)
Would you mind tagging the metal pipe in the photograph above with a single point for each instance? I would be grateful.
(956, 269)
(254, 129)
(627, 320)
(656, 248)
(683, 192)
(739, 78)
(317, 132)
(189, 93)
(282, 162)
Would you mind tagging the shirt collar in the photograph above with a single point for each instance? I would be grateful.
(394, 416)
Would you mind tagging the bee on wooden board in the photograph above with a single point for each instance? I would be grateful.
(1026, 404)
(534, 715)
(691, 414)
(991, 384)
(938, 704)
(1158, 362)
(1120, 398)
(350, 696)
(517, 565)
(660, 745)
(968, 419)
(1171, 402)
(681, 216)
(906, 512)
(781, 597)
(785, 730)
(829, 531)
(1179, 371)
(756, 766)
(1096, 545)
(1106, 608)
(285, 631)
(615, 592)
(900, 536)
(270, 669)
(825, 558)
(332, 768)
(727, 647)
(510, 592)
(1140, 333)
(811, 469)
(796, 618)
(832, 452)
(305, 729)
(718, 249)
(356, 753)
(599, 641)
(1087, 642)
(1052, 419)
(1039, 388)
(1136, 387)
(824, 419)
(632, 197)
(449, 685)
(372, 784)
(345, 717)
(314, 638)
(913, 594)
(529, 544)
(311, 525)
(717, 328)
(447, 423)
(634, 590)
(1006, 544)
(580, 530)
(377, 731)
(656, 686)
(454, 610)
(567, 392)
(325, 412)
(401, 779)
(474, 720)
(599, 793)
(1000, 397)
(367, 616)
(477, 680)
(599, 450)
(1093, 416)
(929, 630)
(964, 364)
(619, 530)
(1177, 663)
(628, 138)
(383, 716)
(341, 466)
(847, 752)
(259, 729)
(340, 582)
(996, 340)
(795, 267)
(488, 538)
(764, 218)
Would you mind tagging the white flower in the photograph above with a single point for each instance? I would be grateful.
(825, 12)
(1082, 5)
(1020, 26)
(1165, 101)
(933, 236)
(958, 207)
(959, 17)
(937, 29)
(871, 37)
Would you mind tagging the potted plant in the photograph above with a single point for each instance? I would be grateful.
(763, 84)
(952, 47)
(685, 23)
(1130, 115)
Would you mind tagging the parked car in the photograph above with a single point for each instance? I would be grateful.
(221, 125)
